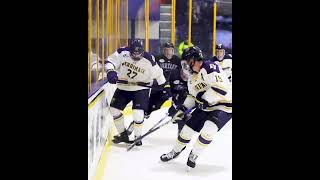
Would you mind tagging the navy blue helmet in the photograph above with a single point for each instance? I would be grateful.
(136, 49)
(219, 46)
(168, 45)
(220, 52)
(194, 53)
(188, 58)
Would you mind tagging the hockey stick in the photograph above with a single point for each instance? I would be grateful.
(130, 128)
(135, 83)
(154, 128)
(143, 84)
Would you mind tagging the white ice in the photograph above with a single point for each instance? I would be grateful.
(143, 163)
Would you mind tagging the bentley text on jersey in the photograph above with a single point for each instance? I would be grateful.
(168, 66)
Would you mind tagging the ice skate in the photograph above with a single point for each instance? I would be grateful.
(171, 155)
(122, 137)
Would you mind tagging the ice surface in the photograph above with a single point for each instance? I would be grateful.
(143, 163)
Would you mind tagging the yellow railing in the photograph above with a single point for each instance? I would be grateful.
(97, 39)
(103, 40)
(185, 33)
(146, 14)
(190, 22)
(214, 32)
(108, 27)
(110, 30)
(173, 22)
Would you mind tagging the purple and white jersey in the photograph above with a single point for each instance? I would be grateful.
(143, 70)
(214, 82)
(226, 64)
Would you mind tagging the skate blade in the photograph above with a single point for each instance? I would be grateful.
(118, 142)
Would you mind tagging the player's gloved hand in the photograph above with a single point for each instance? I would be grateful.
(112, 76)
(178, 114)
(166, 92)
(177, 117)
(201, 103)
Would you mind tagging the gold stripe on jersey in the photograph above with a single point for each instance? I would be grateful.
(219, 107)
(198, 101)
(225, 101)
(189, 95)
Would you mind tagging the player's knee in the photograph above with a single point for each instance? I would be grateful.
(116, 113)
(138, 115)
(186, 134)
(207, 132)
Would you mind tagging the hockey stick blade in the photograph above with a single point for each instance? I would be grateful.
(154, 128)
(135, 83)
(150, 131)
(146, 134)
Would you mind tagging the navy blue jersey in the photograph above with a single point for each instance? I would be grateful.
(168, 65)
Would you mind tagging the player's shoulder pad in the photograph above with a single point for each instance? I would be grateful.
(125, 48)
(149, 57)
(207, 65)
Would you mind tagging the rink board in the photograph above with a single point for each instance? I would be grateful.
(100, 130)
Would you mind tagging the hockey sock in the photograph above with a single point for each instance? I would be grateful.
(183, 138)
(205, 138)
(119, 123)
(138, 117)
(137, 128)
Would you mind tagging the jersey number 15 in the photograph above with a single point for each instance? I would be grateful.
(218, 78)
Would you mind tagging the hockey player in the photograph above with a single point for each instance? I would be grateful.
(179, 90)
(138, 68)
(171, 66)
(210, 94)
(224, 60)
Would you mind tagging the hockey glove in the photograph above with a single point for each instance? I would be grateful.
(201, 103)
(166, 92)
(179, 114)
(112, 76)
